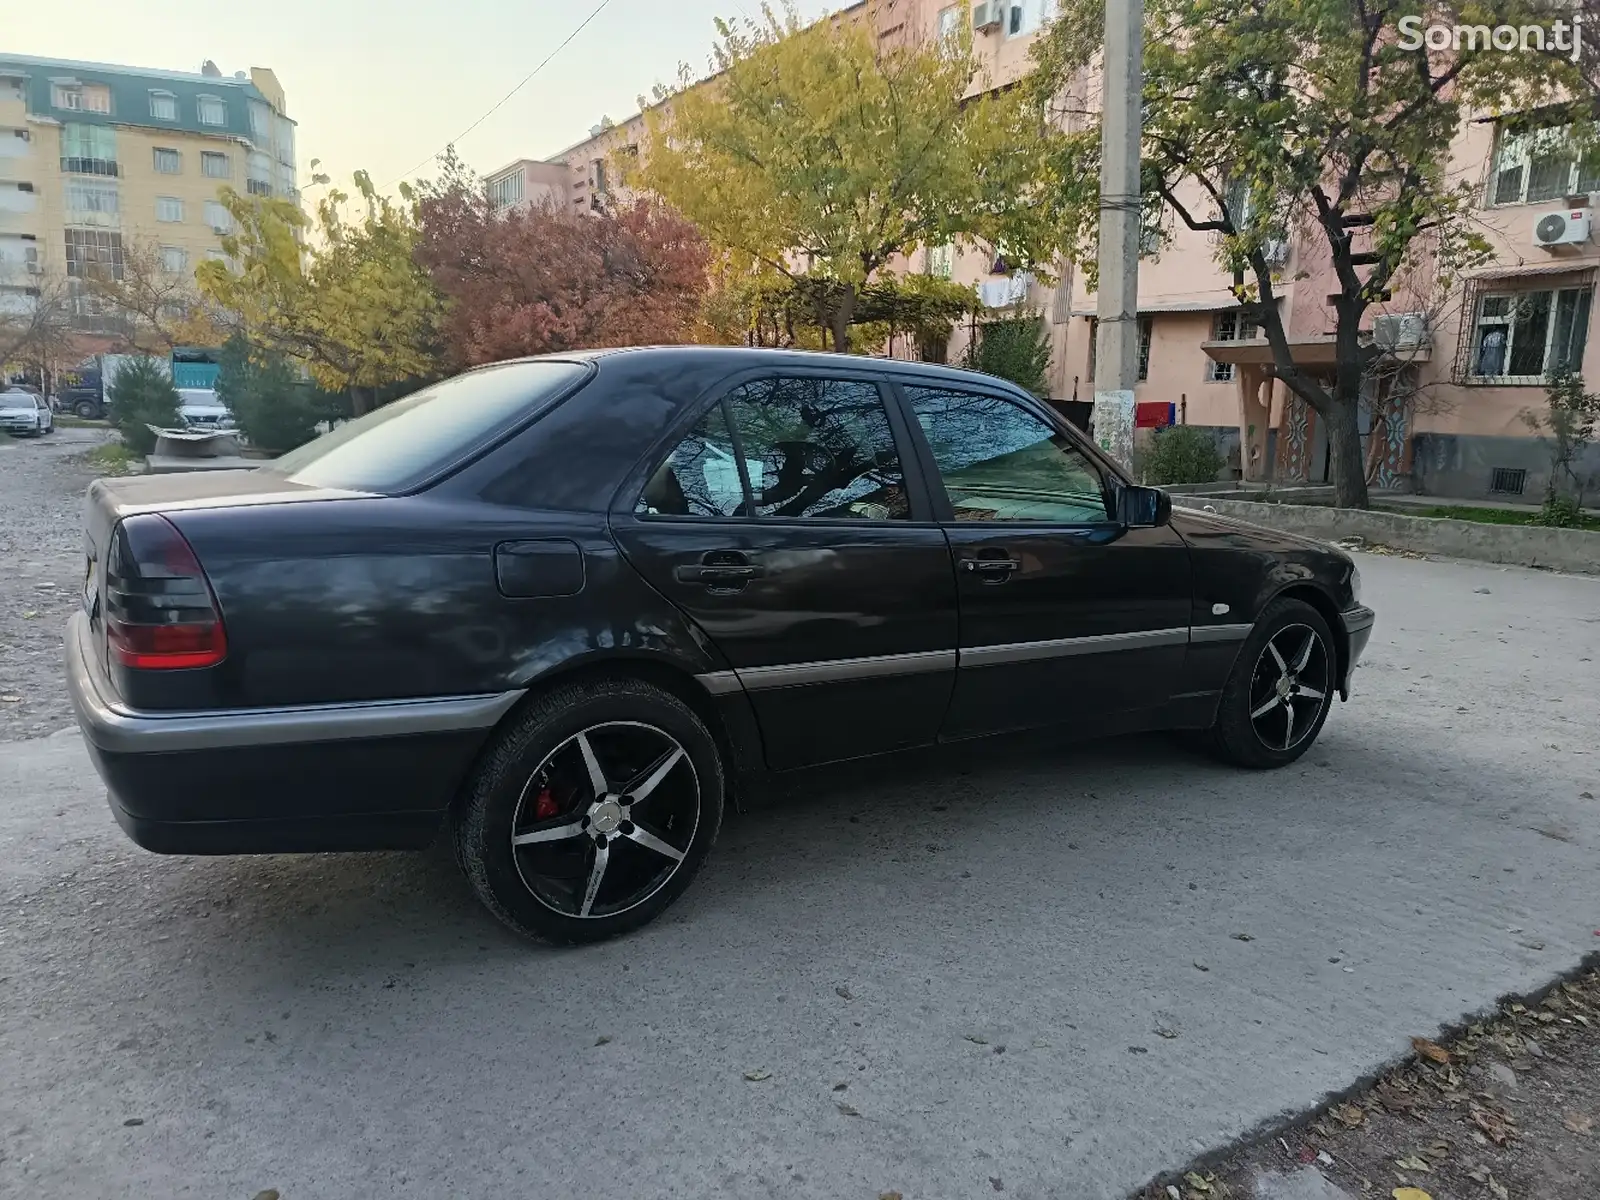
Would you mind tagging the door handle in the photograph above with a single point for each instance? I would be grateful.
(719, 568)
(991, 570)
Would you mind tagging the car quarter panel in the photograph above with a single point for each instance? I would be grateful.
(1239, 569)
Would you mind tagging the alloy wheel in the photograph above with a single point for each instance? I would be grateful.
(1290, 687)
(606, 820)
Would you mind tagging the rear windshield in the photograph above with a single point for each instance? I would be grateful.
(401, 444)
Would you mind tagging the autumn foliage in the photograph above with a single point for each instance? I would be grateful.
(548, 279)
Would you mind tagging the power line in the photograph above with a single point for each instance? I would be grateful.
(500, 103)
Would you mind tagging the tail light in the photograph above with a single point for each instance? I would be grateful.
(160, 613)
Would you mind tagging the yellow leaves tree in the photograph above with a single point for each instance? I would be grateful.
(353, 306)
(818, 154)
(160, 299)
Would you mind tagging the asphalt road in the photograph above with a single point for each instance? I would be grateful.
(349, 1027)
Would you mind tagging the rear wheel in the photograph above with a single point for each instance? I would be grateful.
(1278, 695)
(592, 811)
(86, 410)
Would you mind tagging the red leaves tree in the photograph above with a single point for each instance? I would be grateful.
(550, 279)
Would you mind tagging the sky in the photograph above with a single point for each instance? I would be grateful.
(386, 84)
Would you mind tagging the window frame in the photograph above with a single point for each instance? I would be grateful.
(200, 103)
(626, 500)
(1509, 323)
(1526, 158)
(928, 467)
(155, 160)
(168, 100)
(212, 156)
(177, 220)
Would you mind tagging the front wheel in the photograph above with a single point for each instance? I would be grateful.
(592, 811)
(1279, 692)
(86, 410)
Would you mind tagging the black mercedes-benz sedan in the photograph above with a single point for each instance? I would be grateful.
(557, 608)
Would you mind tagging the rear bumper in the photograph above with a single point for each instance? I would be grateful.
(1357, 625)
(371, 776)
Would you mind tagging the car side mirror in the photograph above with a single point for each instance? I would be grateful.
(1143, 507)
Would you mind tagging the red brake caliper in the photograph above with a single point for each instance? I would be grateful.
(544, 805)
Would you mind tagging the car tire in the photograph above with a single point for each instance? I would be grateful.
(86, 410)
(1280, 689)
(590, 863)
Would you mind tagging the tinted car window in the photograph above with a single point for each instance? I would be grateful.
(401, 444)
(819, 448)
(700, 477)
(1001, 463)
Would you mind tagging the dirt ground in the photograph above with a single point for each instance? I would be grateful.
(1507, 1110)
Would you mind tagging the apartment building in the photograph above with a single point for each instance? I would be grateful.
(526, 183)
(1458, 372)
(96, 158)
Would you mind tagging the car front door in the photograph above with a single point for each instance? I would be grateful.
(1066, 614)
(784, 524)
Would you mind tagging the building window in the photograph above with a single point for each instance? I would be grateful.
(211, 110)
(506, 191)
(948, 28)
(218, 217)
(163, 106)
(1146, 330)
(94, 253)
(258, 173)
(260, 121)
(600, 176)
(1525, 337)
(169, 208)
(941, 260)
(174, 260)
(214, 164)
(1026, 16)
(88, 149)
(1538, 165)
(168, 162)
(90, 202)
(1230, 325)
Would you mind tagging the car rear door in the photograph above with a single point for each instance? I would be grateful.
(783, 522)
(1067, 616)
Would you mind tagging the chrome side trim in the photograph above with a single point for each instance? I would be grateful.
(1219, 633)
(719, 683)
(845, 670)
(1100, 643)
(119, 729)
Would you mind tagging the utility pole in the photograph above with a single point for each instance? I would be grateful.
(1117, 303)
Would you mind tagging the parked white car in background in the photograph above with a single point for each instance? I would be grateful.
(199, 408)
(25, 414)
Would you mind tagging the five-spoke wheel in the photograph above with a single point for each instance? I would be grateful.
(592, 810)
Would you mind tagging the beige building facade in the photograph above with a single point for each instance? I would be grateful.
(1460, 369)
(96, 160)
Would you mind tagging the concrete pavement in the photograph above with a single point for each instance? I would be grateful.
(997, 954)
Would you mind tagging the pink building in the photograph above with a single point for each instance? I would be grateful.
(1461, 368)
(525, 183)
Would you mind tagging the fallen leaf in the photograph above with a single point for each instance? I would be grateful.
(975, 1039)
(1392, 1097)
(994, 1182)
(269, 1194)
(1412, 1163)
(890, 1196)
(843, 993)
(1243, 937)
(10, 699)
(1196, 1182)
(839, 1087)
(1169, 1034)
(1349, 1114)
(1499, 1189)
(1578, 1122)
(30, 614)
(1430, 1050)
(848, 1110)
(601, 1040)
(1200, 966)
(1409, 1193)
(758, 1075)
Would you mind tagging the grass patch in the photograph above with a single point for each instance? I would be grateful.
(64, 421)
(1488, 516)
(112, 458)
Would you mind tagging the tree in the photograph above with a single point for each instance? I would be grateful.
(355, 306)
(274, 406)
(819, 154)
(34, 327)
(142, 395)
(546, 278)
(160, 299)
(1568, 429)
(1302, 115)
(1017, 349)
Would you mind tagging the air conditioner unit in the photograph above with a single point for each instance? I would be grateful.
(1275, 251)
(1400, 331)
(988, 14)
(1564, 228)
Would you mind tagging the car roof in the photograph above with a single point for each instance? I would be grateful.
(737, 358)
